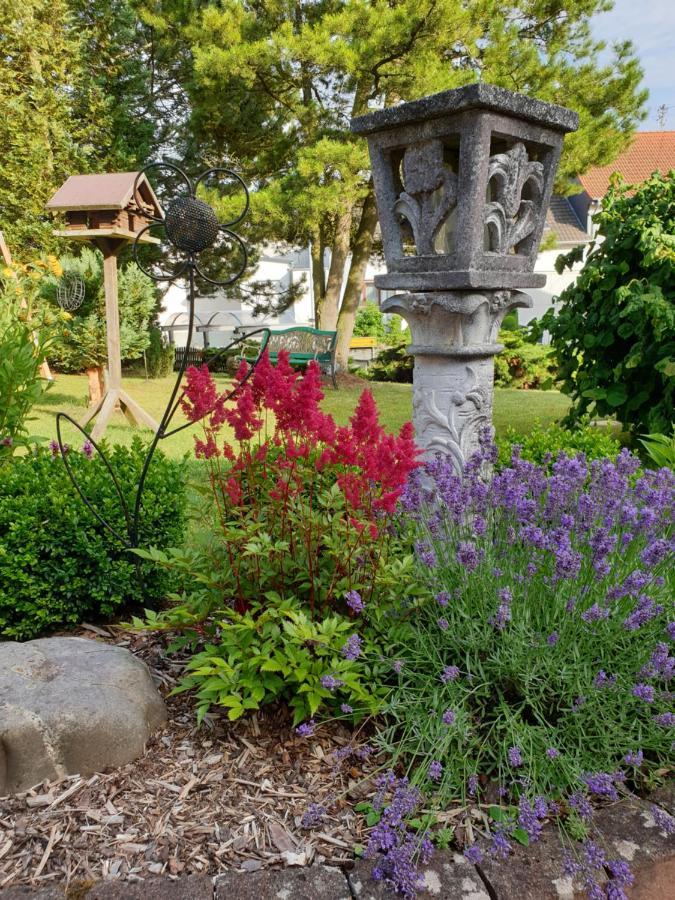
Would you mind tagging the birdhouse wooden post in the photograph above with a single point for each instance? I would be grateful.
(106, 211)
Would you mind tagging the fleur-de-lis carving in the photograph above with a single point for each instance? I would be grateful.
(509, 217)
(424, 172)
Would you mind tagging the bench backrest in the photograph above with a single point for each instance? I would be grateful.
(306, 341)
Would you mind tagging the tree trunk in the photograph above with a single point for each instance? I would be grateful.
(338, 258)
(318, 276)
(363, 245)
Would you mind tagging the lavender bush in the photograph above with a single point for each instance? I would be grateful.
(542, 659)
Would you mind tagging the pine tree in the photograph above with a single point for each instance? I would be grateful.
(39, 73)
(273, 85)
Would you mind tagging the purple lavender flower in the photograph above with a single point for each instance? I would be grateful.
(54, 448)
(656, 551)
(499, 846)
(330, 682)
(529, 818)
(474, 854)
(581, 804)
(449, 717)
(620, 872)
(670, 630)
(442, 598)
(595, 856)
(472, 785)
(397, 666)
(553, 639)
(578, 703)
(353, 647)
(346, 708)
(354, 601)
(306, 729)
(603, 680)
(435, 770)
(426, 554)
(515, 756)
(595, 613)
(468, 555)
(88, 448)
(634, 758)
(601, 784)
(552, 753)
(443, 624)
(313, 815)
(449, 673)
(664, 821)
(666, 719)
(643, 692)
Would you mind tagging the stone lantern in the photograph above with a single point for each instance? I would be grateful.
(462, 181)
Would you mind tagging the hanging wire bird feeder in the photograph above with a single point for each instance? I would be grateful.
(70, 292)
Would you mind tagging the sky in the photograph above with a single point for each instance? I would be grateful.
(650, 24)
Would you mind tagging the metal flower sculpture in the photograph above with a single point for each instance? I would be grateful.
(191, 227)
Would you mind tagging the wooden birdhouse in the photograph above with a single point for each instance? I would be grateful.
(105, 206)
(109, 211)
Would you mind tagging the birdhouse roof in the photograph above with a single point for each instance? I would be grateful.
(113, 190)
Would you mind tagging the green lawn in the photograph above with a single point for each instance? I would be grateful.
(517, 409)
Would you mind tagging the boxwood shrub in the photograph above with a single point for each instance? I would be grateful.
(58, 564)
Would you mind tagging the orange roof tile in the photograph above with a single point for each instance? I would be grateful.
(650, 151)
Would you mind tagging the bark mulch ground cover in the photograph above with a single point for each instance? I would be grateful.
(200, 800)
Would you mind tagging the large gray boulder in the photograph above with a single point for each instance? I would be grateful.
(71, 705)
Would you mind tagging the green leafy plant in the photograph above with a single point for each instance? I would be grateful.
(660, 448)
(614, 333)
(369, 322)
(276, 652)
(26, 334)
(159, 355)
(544, 445)
(58, 564)
(524, 363)
(392, 364)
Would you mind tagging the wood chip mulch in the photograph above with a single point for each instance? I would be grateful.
(200, 800)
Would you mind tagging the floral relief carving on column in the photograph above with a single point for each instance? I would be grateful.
(455, 432)
(510, 217)
(424, 174)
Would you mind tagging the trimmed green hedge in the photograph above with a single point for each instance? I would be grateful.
(58, 564)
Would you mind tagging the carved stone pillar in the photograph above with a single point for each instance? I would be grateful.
(454, 343)
(463, 181)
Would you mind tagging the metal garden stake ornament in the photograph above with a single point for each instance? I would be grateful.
(191, 227)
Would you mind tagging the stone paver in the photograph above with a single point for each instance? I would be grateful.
(447, 877)
(190, 887)
(532, 873)
(313, 883)
(630, 832)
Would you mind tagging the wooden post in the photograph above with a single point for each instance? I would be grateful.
(115, 395)
(110, 250)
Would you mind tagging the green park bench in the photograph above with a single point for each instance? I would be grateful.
(303, 345)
